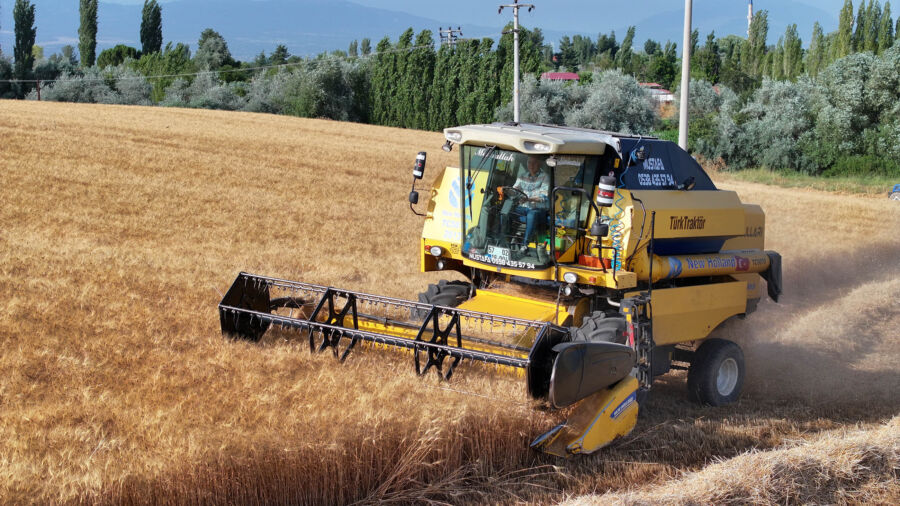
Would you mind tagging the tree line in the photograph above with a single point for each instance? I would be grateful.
(829, 109)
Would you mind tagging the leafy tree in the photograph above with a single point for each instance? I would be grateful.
(279, 56)
(625, 53)
(793, 53)
(365, 47)
(706, 62)
(651, 47)
(815, 57)
(886, 29)
(531, 43)
(663, 66)
(212, 51)
(23, 18)
(859, 34)
(873, 24)
(171, 60)
(117, 55)
(754, 58)
(151, 27)
(606, 44)
(614, 102)
(87, 32)
(844, 45)
(68, 54)
(37, 52)
(417, 74)
(353, 50)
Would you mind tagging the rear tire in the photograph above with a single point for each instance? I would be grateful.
(895, 196)
(444, 293)
(716, 375)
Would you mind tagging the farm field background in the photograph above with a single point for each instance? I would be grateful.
(122, 226)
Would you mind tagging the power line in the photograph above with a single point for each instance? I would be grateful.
(449, 36)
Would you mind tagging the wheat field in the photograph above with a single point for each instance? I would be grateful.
(120, 227)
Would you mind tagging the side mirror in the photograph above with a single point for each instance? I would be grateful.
(419, 167)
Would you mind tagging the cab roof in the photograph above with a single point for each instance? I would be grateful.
(538, 139)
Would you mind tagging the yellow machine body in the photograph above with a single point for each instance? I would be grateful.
(595, 261)
(597, 421)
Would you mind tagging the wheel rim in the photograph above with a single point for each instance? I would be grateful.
(727, 377)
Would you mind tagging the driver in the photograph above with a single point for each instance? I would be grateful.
(534, 186)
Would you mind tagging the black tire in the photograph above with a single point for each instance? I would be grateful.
(895, 196)
(444, 293)
(600, 328)
(716, 375)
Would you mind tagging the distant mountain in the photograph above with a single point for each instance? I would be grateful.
(308, 27)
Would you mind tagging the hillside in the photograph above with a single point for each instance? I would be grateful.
(122, 226)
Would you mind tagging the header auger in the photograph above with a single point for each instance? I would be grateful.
(595, 262)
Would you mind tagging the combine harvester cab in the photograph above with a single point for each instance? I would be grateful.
(595, 262)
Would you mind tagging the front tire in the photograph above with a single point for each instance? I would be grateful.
(444, 293)
(895, 196)
(716, 375)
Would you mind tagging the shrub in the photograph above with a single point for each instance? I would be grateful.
(614, 102)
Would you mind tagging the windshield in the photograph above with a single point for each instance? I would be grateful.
(509, 204)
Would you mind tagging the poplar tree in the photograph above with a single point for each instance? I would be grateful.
(886, 29)
(151, 27)
(815, 57)
(353, 50)
(859, 34)
(793, 53)
(417, 79)
(444, 83)
(873, 24)
(23, 18)
(754, 57)
(844, 43)
(365, 47)
(87, 32)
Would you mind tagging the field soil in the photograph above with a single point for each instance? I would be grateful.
(120, 228)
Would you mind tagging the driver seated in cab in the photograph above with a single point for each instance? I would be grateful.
(532, 202)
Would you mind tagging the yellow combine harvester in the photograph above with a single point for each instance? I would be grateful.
(596, 261)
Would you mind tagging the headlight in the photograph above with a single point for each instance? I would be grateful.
(570, 277)
(537, 146)
(436, 251)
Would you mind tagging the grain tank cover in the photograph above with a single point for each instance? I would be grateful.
(664, 166)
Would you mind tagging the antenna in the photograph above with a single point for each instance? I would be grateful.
(450, 36)
(515, 6)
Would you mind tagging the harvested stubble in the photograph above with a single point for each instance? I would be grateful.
(121, 225)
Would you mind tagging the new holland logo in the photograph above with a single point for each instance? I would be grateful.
(621, 407)
(687, 223)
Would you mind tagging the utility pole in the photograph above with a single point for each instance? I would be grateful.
(685, 77)
(515, 6)
(450, 36)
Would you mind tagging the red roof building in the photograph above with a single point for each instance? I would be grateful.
(559, 76)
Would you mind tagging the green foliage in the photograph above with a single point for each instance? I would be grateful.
(815, 57)
(172, 60)
(614, 101)
(115, 56)
(87, 32)
(151, 27)
(212, 51)
(6, 73)
(25, 32)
